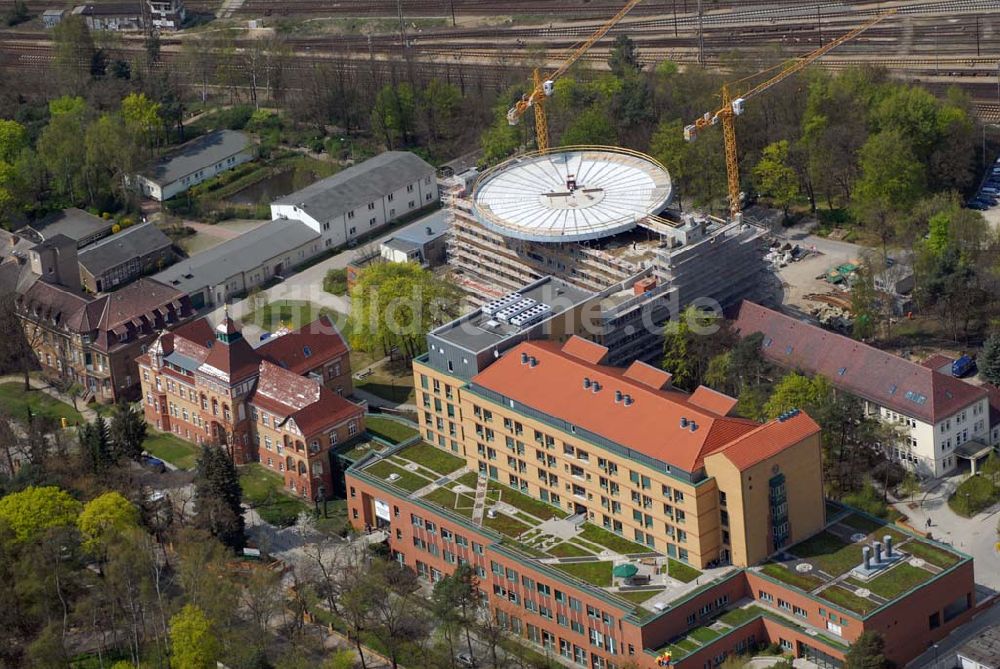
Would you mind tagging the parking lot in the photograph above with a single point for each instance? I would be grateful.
(987, 198)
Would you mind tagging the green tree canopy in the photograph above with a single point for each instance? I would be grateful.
(866, 652)
(989, 359)
(396, 304)
(103, 518)
(591, 126)
(796, 391)
(32, 511)
(13, 140)
(774, 177)
(219, 497)
(143, 119)
(194, 644)
(128, 431)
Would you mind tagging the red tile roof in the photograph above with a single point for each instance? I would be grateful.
(877, 376)
(768, 440)
(585, 350)
(651, 425)
(713, 400)
(307, 348)
(644, 373)
(313, 407)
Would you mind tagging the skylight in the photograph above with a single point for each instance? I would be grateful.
(841, 371)
(306, 351)
(916, 398)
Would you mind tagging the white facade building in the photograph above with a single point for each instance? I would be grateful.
(194, 162)
(942, 419)
(362, 198)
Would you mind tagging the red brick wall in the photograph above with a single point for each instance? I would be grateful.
(851, 630)
(673, 622)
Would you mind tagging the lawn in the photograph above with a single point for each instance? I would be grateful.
(612, 541)
(390, 430)
(596, 573)
(265, 492)
(973, 495)
(16, 402)
(407, 480)
(176, 451)
(529, 505)
(786, 575)
(874, 527)
(432, 458)
(899, 579)
(703, 635)
(566, 549)
(506, 525)
(931, 554)
(848, 600)
(392, 381)
(637, 596)
(829, 553)
(291, 313)
(360, 450)
(471, 480)
(448, 499)
(737, 617)
(682, 572)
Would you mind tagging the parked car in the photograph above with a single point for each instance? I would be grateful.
(963, 366)
(976, 205)
(155, 464)
(465, 660)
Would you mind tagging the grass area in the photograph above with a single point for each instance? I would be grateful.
(407, 480)
(15, 401)
(471, 480)
(637, 596)
(432, 458)
(899, 579)
(682, 572)
(829, 553)
(506, 525)
(847, 599)
(390, 430)
(529, 505)
(595, 573)
(360, 450)
(566, 549)
(176, 451)
(737, 617)
(265, 492)
(289, 313)
(459, 503)
(802, 581)
(612, 541)
(395, 390)
(703, 635)
(391, 380)
(973, 495)
(873, 526)
(931, 554)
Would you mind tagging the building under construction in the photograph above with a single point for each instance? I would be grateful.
(594, 217)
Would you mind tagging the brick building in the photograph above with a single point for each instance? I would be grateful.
(720, 520)
(280, 404)
(95, 341)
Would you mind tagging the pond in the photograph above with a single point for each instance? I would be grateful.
(275, 186)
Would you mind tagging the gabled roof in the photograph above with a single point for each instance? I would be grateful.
(134, 242)
(768, 439)
(862, 370)
(305, 349)
(74, 223)
(358, 185)
(234, 360)
(195, 155)
(313, 407)
(659, 423)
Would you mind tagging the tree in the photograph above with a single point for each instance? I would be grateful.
(440, 103)
(128, 432)
(75, 51)
(498, 142)
(35, 510)
(142, 119)
(864, 304)
(13, 140)
(796, 391)
(989, 359)
(17, 345)
(697, 168)
(394, 114)
(194, 645)
(774, 177)
(397, 620)
(95, 444)
(396, 304)
(689, 344)
(218, 497)
(590, 126)
(866, 652)
(62, 151)
(624, 58)
(456, 601)
(103, 518)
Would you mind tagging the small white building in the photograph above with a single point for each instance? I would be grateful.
(194, 162)
(52, 17)
(943, 420)
(362, 198)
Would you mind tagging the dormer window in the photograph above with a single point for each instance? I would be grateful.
(306, 351)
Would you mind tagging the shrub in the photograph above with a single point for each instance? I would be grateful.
(115, 229)
(973, 495)
(335, 282)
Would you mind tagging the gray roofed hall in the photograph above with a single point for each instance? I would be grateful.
(74, 223)
(404, 245)
(426, 229)
(244, 253)
(195, 155)
(358, 185)
(129, 243)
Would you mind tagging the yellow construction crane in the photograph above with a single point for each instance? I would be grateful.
(734, 106)
(544, 88)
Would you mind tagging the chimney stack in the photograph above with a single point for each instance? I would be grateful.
(878, 552)
(524, 358)
(618, 396)
(684, 421)
(596, 386)
(586, 382)
(627, 400)
(532, 361)
(888, 546)
(866, 553)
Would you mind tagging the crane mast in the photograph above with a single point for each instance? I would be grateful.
(733, 107)
(544, 87)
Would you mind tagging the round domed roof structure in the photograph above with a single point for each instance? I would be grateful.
(572, 194)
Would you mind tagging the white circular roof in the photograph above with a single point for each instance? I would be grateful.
(568, 195)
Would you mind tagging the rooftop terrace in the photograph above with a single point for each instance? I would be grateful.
(829, 565)
(538, 531)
